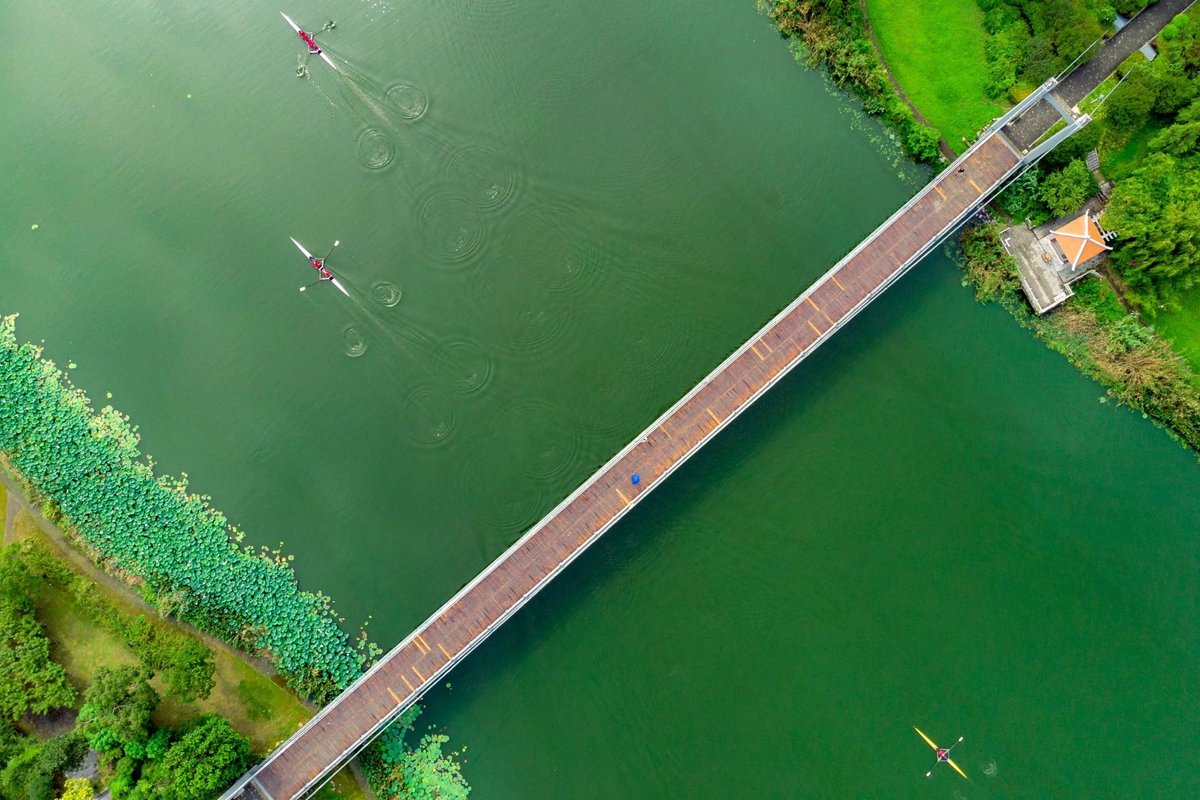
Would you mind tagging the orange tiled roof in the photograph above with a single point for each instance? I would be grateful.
(1080, 239)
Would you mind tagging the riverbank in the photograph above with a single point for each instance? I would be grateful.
(245, 691)
(1132, 328)
(84, 472)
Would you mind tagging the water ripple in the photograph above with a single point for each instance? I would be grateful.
(409, 102)
(488, 180)
(376, 150)
(468, 366)
(450, 227)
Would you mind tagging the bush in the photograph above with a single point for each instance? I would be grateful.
(1169, 32)
(32, 774)
(78, 789)
(208, 757)
(1128, 107)
(1066, 191)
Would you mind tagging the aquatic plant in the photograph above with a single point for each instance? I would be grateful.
(87, 466)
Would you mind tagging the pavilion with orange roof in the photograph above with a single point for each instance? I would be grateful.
(1080, 240)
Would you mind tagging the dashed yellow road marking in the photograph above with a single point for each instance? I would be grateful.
(419, 675)
(938, 189)
(424, 643)
(393, 694)
(976, 185)
(760, 355)
(816, 330)
(716, 419)
(836, 281)
(406, 683)
(623, 497)
(818, 308)
(444, 651)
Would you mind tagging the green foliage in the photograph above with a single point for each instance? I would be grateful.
(33, 773)
(208, 757)
(1023, 198)
(29, 680)
(426, 773)
(1030, 40)
(832, 33)
(1183, 138)
(184, 663)
(1076, 147)
(1114, 348)
(1128, 107)
(117, 708)
(88, 463)
(989, 268)
(1095, 294)
(77, 789)
(1156, 212)
(120, 785)
(1064, 192)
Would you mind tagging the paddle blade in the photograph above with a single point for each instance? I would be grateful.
(956, 769)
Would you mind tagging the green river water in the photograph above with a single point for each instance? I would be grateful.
(582, 207)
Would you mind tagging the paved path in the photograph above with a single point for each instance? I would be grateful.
(1086, 77)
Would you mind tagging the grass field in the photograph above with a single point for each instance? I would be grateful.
(935, 51)
(1182, 328)
(253, 703)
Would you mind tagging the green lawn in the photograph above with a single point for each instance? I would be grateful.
(1182, 328)
(935, 51)
(252, 702)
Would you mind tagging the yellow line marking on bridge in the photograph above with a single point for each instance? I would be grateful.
(818, 308)
(444, 651)
(623, 497)
(716, 419)
(836, 281)
(938, 189)
(419, 675)
(816, 330)
(424, 643)
(760, 355)
(394, 697)
(763, 342)
(406, 683)
(976, 185)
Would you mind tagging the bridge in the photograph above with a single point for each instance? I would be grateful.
(303, 763)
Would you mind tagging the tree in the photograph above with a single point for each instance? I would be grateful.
(77, 789)
(208, 757)
(1156, 212)
(1067, 190)
(1128, 108)
(29, 680)
(117, 707)
(31, 775)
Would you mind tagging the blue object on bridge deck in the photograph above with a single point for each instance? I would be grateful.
(636, 479)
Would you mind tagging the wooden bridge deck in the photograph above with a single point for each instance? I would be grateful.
(410, 669)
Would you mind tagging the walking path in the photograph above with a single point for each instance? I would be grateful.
(1087, 76)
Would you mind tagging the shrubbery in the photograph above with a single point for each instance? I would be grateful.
(832, 33)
